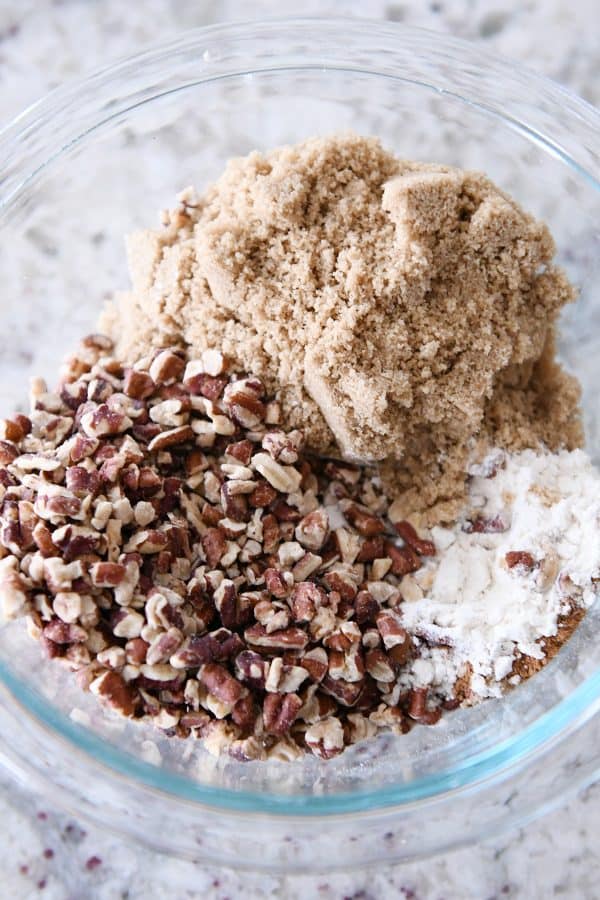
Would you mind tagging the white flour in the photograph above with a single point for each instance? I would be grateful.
(484, 611)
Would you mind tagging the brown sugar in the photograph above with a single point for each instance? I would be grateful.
(404, 312)
(526, 666)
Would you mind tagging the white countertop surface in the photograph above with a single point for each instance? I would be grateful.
(45, 853)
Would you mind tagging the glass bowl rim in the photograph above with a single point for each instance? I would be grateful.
(557, 723)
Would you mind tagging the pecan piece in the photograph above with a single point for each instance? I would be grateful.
(171, 438)
(342, 583)
(316, 663)
(366, 608)
(252, 668)
(81, 481)
(396, 639)
(241, 451)
(244, 714)
(520, 559)
(215, 545)
(64, 633)
(262, 495)
(326, 738)
(235, 610)
(220, 683)
(378, 666)
(481, 525)
(345, 692)
(283, 447)
(313, 530)
(280, 712)
(243, 403)
(276, 583)
(102, 420)
(271, 533)
(166, 366)
(164, 646)
(285, 479)
(14, 430)
(234, 503)
(360, 518)
(372, 548)
(286, 639)
(417, 704)
(8, 453)
(404, 559)
(410, 537)
(138, 385)
(82, 447)
(306, 599)
(209, 386)
(112, 688)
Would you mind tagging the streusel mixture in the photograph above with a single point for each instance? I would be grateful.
(319, 478)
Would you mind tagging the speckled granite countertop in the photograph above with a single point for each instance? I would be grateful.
(44, 853)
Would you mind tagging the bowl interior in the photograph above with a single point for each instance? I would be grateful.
(62, 254)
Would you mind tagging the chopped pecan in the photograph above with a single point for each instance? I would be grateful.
(215, 545)
(520, 559)
(360, 518)
(280, 712)
(252, 669)
(283, 478)
(271, 533)
(410, 537)
(82, 447)
(14, 430)
(417, 702)
(102, 420)
(312, 531)
(492, 525)
(288, 638)
(316, 663)
(64, 633)
(245, 713)
(396, 639)
(371, 549)
(243, 403)
(81, 481)
(220, 683)
(241, 451)
(112, 688)
(42, 537)
(262, 495)
(171, 438)
(209, 386)
(164, 646)
(305, 600)
(341, 582)
(283, 447)
(276, 583)
(284, 679)
(345, 692)
(378, 666)
(326, 738)
(234, 503)
(366, 607)
(8, 453)
(138, 385)
(166, 366)
(404, 559)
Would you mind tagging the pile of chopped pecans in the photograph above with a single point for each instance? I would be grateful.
(169, 543)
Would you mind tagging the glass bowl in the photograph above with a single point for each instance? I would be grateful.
(95, 160)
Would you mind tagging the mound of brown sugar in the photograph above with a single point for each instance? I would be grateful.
(403, 311)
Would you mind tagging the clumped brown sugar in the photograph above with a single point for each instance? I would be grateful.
(403, 312)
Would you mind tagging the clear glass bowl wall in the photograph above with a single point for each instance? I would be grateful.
(96, 160)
